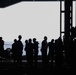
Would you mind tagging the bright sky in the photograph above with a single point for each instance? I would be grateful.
(30, 19)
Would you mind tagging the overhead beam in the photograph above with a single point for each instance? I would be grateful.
(5, 3)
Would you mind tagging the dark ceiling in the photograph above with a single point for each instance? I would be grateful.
(5, 3)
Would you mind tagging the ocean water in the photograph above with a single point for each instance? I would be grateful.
(9, 45)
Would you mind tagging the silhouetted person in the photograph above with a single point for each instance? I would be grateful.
(51, 51)
(44, 51)
(19, 50)
(35, 50)
(27, 50)
(14, 50)
(1, 47)
(30, 52)
(59, 52)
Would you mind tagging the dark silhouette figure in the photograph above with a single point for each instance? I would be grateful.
(35, 50)
(1, 47)
(59, 52)
(51, 51)
(44, 51)
(14, 51)
(27, 50)
(30, 53)
(19, 50)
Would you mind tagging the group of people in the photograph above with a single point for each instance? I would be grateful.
(56, 51)
(31, 48)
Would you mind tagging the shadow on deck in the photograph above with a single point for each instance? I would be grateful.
(9, 68)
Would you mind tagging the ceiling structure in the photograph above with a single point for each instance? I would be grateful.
(5, 3)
